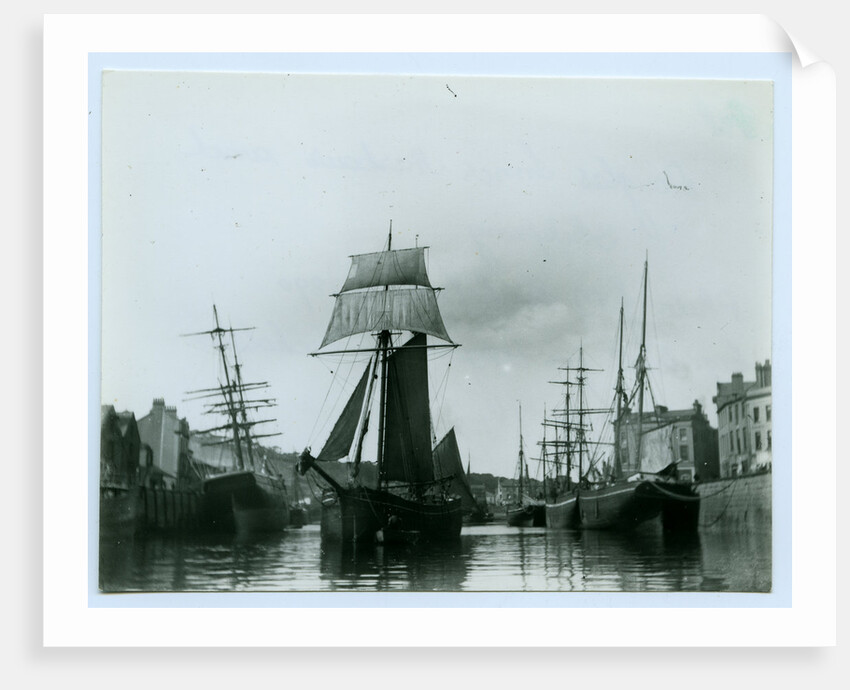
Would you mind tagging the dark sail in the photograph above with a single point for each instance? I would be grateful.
(447, 463)
(407, 450)
(339, 442)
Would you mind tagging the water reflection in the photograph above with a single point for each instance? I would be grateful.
(401, 567)
(487, 558)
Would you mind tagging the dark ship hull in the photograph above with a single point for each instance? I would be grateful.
(529, 515)
(521, 516)
(625, 505)
(563, 513)
(245, 502)
(356, 514)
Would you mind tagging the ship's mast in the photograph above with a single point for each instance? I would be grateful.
(238, 370)
(642, 365)
(521, 457)
(544, 453)
(618, 467)
(383, 346)
(228, 392)
(567, 430)
(580, 435)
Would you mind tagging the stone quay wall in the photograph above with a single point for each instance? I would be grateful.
(740, 504)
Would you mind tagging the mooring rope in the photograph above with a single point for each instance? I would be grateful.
(691, 498)
(673, 495)
(722, 512)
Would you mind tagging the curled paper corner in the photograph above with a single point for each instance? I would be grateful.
(803, 55)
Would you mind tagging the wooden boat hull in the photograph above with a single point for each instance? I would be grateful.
(356, 515)
(680, 508)
(529, 515)
(563, 513)
(522, 516)
(625, 505)
(245, 502)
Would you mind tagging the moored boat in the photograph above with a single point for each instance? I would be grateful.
(642, 483)
(249, 496)
(524, 511)
(562, 512)
(570, 449)
(387, 293)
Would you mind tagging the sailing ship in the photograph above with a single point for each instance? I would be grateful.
(570, 444)
(387, 294)
(250, 496)
(524, 511)
(642, 481)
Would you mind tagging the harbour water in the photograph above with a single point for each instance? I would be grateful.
(486, 558)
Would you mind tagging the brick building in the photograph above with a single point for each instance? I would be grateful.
(168, 438)
(744, 423)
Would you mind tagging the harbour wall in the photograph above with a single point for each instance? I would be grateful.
(169, 510)
(127, 512)
(740, 504)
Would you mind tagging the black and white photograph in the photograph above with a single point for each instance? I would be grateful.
(414, 331)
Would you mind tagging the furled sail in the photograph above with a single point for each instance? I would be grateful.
(396, 267)
(341, 437)
(407, 449)
(447, 463)
(407, 309)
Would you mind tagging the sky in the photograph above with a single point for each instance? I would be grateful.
(539, 198)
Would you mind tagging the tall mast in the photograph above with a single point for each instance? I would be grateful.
(383, 344)
(580, 434)
(567, 430)
(238, 370)
(544, 453)
(228, 392)
(617, 459)
(521, 456)
(642, 365)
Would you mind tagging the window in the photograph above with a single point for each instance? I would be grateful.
(736, 414)
(769, 440)
(738, 439)
(730, 414)
(745, 441)
(683, 434)
(758, 440)
(767, 413)
(683, 454)
(755, 413)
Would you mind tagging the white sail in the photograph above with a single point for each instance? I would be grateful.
(406, 309)
(395, 267)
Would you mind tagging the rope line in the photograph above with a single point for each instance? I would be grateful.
(722, 512)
